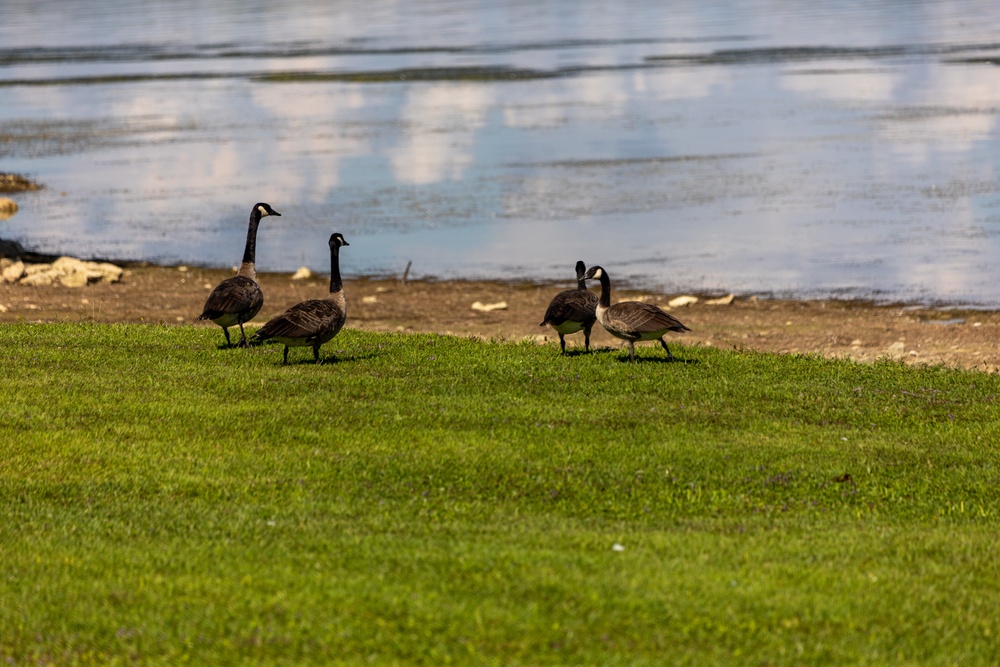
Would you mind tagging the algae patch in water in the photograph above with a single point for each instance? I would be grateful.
(411, 74)
(467, 74)
(114, 79)
(40, 138)
(983, 60)
(632, 161)
(17, 183)
(786, 54)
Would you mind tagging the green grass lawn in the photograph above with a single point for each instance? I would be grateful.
(430, 500)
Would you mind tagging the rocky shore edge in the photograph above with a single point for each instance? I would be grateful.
(20, 266)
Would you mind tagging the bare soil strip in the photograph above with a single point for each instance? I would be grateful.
(855, 330)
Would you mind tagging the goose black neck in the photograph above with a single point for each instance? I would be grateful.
(605, 299)
(581, 281)
(335, 283)
(250, 252)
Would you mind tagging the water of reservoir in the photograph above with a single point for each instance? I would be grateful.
(831, 149)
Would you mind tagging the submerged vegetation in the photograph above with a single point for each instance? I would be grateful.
(951, 53)
(411, 74)
(11, 183)
(426, 499)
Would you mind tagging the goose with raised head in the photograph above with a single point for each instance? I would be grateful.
(315, 321)
(573, 310)
(238, 299)
(632, 320)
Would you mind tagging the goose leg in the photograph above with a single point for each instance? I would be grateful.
(631, 351)
(284, 358)
(316, 352)
(225, 330)
(586, 336)
(562, 343)
(670, 357)
(243, 336)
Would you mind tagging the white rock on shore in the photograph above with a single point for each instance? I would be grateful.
(11, 271)
(681, 301)
(65, 271)
(489, 307)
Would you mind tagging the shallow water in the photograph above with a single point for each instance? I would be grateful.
(755, 147)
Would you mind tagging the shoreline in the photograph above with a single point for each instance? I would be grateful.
(621, 285)
(859, 330)
(14, 250)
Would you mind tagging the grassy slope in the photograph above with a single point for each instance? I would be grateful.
(428, 499)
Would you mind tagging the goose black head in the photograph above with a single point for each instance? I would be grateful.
(581, 268)
(594, 273)
(337, 240)
(265, 210)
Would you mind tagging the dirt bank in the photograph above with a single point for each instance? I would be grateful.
(861, 331)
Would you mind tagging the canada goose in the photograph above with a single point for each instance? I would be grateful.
(572, 310)
(315, 321)
(238, 299)
(632, 320)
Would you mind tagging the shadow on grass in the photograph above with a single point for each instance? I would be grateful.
(622, 352)
(308, 360)
(657, 360)
(237, 346)
(580, 352)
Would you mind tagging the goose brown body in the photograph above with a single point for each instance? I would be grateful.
(632, 320)
(573, 310)
(315, 321)
(238, 299)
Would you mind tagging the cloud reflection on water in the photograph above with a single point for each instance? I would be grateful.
(866, 171)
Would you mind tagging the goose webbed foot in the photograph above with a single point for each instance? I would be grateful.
(243, 337)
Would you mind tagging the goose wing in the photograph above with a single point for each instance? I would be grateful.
(303, 320)
(233, 295)
(571, 306)
(642, 318)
